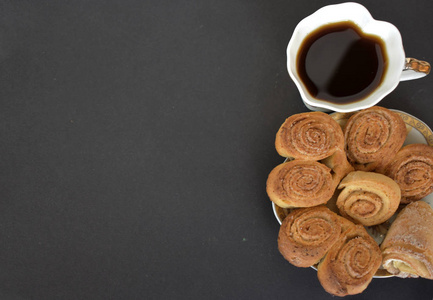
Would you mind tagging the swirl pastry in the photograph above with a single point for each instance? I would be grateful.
(408, 246)
(309, 136)
(350, 264)
(412, 169)
(300, 183)
(373, 137)
(314, 136)
(368, 198)
(306, 234)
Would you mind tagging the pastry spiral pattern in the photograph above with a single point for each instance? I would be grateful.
(350, 264)
(368, 198)
(408, 246)
(373, 137)
(309, 136)
(412, 169)
(300, 183)
(306, 234)
(314, 136)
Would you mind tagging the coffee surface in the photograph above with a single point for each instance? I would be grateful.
(339, 63)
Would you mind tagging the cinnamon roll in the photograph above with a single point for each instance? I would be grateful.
(373, 137)
(306, 234)
(368, 198)
(309, 136)
(408, 246)
(412, 169)
(300, 183)
(350, 264)
(314, 136)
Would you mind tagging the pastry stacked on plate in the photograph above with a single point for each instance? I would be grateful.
(365, 165)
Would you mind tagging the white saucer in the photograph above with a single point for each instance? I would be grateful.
(418, 133)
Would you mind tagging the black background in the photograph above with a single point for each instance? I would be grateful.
(136, 139)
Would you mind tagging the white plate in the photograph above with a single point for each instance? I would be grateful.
(419, 133)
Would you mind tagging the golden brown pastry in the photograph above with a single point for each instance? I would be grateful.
(350, 264)
(412, 169)
(373, 137)
(306, 234)
(408, 246)
(368, 198)
(345, 224)
(339, 164)
(314, 136)
(309, 136)
(300, 183)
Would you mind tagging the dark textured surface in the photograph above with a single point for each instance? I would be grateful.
(137, 137)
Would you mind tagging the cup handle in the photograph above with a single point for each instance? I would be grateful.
(414, 69)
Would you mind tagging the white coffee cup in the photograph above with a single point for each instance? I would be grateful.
(399, 67)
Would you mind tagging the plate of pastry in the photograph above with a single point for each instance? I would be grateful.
(354, 196)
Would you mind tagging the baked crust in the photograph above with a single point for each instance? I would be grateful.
(368, 198)
(300, 183)
(373, 137)
(408, 246)
(350, 264)
(314, 136)
(309, 136)
(306, 234)
(412, 169)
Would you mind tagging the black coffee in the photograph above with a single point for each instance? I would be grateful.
(339, 63)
